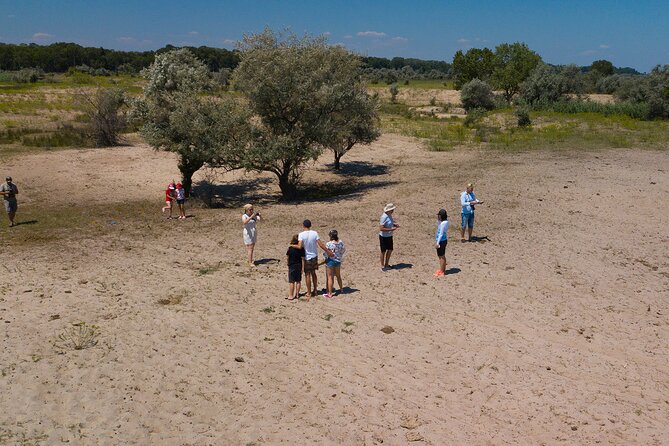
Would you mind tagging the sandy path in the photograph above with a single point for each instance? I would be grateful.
(553, 331)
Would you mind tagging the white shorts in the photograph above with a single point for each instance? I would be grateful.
(249, 237)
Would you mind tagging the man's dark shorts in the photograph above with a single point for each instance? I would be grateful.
(11, 205)
(386, 243)
(310, 265)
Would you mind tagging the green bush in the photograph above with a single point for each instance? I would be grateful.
(474, 117)
(523, 115)
(477, 94)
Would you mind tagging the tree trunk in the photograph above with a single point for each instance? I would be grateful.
(337, 157)
(288, 188)
(187, 171)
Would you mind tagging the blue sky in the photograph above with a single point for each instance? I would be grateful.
(628, 33)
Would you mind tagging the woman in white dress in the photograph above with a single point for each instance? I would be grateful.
(249, 220)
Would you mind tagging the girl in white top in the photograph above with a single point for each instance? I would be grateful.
(249, 219)
(441, 239)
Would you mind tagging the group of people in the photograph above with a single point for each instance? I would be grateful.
(175, 193)
(303, 257)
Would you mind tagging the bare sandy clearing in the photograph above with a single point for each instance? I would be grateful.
(553, 331)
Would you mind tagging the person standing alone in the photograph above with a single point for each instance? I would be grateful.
(468, 202)
(387, 226)
(9, 191)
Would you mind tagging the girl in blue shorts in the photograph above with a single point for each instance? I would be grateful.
(333, 263)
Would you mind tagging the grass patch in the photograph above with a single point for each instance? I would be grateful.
(551, 130)
(268, 310)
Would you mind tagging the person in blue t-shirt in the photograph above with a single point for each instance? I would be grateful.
(468, 202)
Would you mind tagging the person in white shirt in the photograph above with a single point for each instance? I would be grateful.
(441, 240)
(249, 220)
(310, 241)
(468, 201)
(387, 226)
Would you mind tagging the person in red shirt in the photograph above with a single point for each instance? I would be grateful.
(170, 196)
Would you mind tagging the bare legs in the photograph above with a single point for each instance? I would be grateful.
(249, 254)
(332, 273)
(11, 216)
(385, 258)
(311, 277)
(294, 290)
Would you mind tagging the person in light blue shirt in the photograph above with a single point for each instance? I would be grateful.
(441, 239)
(468, 202)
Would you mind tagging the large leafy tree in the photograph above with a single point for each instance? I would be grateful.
(302, 91)
(513, 64)
(476, 63)
(177, 117)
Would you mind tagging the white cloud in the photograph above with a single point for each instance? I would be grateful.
(126, 39)
(327, 33)
(400, 39)
(193, 33)
(463, 40)
(228, 41)
(371, 34)
(587, 52)
(41, 36)
(604, 46)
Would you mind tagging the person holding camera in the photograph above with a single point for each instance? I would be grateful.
(9, 191)
(249, 220)
(468, 201)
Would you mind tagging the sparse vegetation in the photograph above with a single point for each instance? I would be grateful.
(79, 336)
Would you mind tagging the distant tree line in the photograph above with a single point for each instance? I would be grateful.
(60, 57)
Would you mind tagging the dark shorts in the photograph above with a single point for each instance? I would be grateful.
(11, 205)
(295, 273)
(310, 265)
(181, 201)
(441, 250)
(386, 243)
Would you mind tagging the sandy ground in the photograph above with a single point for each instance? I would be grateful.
(552, 330)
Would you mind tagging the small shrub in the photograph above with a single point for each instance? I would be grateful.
(433, 101)
(477, 94)
(394, 91)
(79, 336)
(103, 109)
(523, 115)
(474, 117)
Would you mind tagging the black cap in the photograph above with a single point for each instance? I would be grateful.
(306, 223)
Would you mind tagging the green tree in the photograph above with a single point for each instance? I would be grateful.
(603, 67)
(513, 64)
(357, 124)
(476, 63)
(298, 88)
(178, 118)
(548, 84)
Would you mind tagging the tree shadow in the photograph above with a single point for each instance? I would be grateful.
(452, 271)
(336, 190)
(233, 195)
(358, 169)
